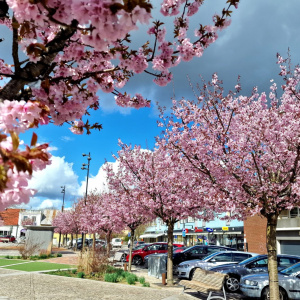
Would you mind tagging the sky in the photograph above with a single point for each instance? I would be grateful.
(259, 29)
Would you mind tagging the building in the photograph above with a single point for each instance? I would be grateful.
(9, 224)
(192, 231)
(287, 233)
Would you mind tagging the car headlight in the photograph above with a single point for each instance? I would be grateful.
(250, 282)
(184, 266)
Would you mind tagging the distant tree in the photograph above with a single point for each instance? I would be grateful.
(72, 50)
(244, 150)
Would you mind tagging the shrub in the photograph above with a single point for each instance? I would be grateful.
(146, 284)
(74, 271)
(80, 275)
(111, 277)
(43, 256)
(59, 255)
(131, 278)
(142, 280)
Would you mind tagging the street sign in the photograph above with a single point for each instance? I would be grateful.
(183, 234)
(129, 234)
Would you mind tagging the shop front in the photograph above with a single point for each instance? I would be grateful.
(221, 236)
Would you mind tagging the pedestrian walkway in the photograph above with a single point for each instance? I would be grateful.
(37, 286)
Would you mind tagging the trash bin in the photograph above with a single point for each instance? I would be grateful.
(157, 265)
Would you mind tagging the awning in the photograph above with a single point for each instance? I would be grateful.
(151, 235)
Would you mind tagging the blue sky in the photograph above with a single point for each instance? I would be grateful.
(248, 48)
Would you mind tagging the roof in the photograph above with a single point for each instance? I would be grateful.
(10, 216)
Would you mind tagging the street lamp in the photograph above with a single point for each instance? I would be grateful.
(63, 190)
(86, 167)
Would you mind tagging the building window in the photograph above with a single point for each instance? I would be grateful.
(25, 218)
(294, 212)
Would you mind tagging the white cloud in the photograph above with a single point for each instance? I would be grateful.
(49, 181)
(66, 138)
(37, 203)
(97, 182)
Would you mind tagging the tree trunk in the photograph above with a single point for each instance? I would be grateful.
(170, 255)
(272, 256)
(130, 249)
(108, 238)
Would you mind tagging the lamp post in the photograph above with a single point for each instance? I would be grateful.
(86, 167)
(63, 190)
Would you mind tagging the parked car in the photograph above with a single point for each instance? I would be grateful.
(257, 285)
(136, 243)
(187, 268)
(7, 238)
(197, 252)
(257, 264)
(126, 251)
(88, 242)
(139, 255)
(116, 242)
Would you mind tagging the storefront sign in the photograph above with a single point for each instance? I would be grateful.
(225, 228)
(209, 229)
(198, 229)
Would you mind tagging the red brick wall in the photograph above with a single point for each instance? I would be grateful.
(255, 229)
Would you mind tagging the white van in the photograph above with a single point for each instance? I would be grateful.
(116, 242)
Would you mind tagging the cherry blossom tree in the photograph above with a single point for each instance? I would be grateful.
(163, 188)
(72, 50)
(127, 208)
(245, 149)
(99, 215)
(67, 222)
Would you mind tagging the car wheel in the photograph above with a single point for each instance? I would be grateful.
(265, 295)
(123, 257)
(191, 274)
(137, 260)
(232, 284)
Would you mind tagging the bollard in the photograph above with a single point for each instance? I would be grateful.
(125, 267)
(163, 278)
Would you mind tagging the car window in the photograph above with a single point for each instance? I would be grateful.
(196, 250)
(222, 257)
(250, 259)
(163, 247)
(213, 249)
(259, 263)
(153, 247)
(295, 270)
(285, 262)
(240, 256)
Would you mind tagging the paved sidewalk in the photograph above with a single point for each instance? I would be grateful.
(17, 285)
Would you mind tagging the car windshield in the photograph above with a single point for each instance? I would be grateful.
(250, 259)
(291, 270)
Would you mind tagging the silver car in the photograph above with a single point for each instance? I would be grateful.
(258, 285)
(186, 269)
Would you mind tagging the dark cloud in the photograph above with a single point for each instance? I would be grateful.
(248, 48)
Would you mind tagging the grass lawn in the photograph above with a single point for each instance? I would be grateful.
(39, 266)
(4, 262)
